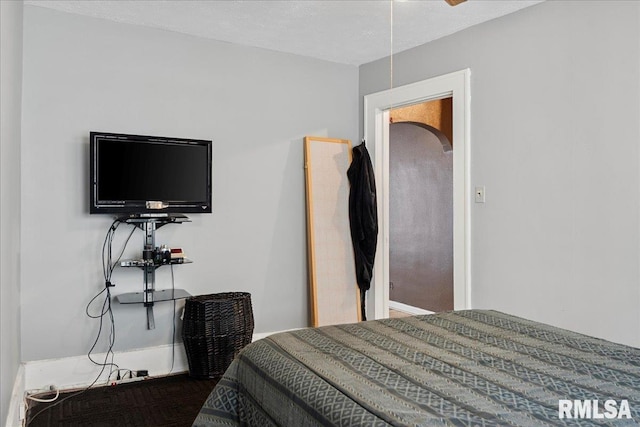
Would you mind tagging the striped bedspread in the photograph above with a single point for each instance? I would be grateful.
(464, 368)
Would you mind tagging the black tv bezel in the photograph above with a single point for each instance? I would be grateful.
(139, 208)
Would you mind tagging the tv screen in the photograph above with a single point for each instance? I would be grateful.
(137, 174)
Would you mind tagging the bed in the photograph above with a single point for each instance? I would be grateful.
(463, 368)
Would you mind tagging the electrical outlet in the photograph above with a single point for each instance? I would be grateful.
(480, 194)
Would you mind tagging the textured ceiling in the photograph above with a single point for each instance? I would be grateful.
(348, 32)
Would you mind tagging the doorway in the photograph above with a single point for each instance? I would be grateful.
(377, 107)
(421, 208)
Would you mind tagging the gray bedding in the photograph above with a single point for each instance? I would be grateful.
(464, 368)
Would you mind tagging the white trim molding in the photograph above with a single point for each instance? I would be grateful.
(409, 309)
(376, 131)
(15, 415)
(79, 371)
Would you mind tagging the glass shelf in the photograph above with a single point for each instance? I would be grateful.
(144, 263)
(158, 219)
(157, 296)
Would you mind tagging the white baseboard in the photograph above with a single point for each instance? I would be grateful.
(408, 308)
(14, 416)
(78, 371)
(261, 335)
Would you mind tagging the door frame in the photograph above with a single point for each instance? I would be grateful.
(376, 129)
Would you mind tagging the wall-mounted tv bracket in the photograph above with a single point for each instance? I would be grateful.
(149, 296)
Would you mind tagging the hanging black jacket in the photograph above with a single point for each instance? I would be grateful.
(363, 218)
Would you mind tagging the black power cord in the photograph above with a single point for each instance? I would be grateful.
(107, 268)
(108, 265)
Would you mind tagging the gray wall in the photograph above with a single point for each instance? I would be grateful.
(555, 101)
(10, 108)
(83, 74)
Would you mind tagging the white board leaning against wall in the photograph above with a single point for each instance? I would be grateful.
(332, 272)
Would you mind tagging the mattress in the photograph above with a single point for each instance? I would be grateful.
(463, 368)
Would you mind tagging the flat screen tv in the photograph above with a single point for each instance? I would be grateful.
(149, 175)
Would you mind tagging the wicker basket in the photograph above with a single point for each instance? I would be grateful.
(215, 328)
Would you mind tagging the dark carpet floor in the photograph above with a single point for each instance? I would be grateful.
(172, 401)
